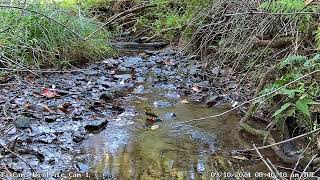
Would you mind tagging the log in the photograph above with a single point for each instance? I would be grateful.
(282, 42)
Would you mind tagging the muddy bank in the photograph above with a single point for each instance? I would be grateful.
(96, 122)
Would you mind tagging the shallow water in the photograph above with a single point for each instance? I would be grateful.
(127, 149)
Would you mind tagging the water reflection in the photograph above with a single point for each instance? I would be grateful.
(174, 151)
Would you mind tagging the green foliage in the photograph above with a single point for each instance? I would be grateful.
(83, 4)
(297, 99)
(285, 6)
(174, 16)
(318, 37)
(34, 40)
(304, 21)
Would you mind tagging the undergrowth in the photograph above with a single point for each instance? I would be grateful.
(299, 101)
(167, 20)
(305, 22)
(35, 41)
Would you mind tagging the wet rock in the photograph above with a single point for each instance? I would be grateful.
(83, 168)
(173, 95)
(96, 126)
(213, 100)
(106, 97)
(45, 138)
(22, 122)
(206, 139)
(104, 82)
(132, 61)
(123, 76)
(12, 131)
(200, 166)
(51, 119)
(162, 104)
(78, 139)
(168, 73)
(165, 86)
(139, 90)
(168, 116)
(91, 72)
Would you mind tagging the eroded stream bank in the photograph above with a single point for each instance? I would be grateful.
(97, 123)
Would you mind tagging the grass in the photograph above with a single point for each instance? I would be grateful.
(35, 41)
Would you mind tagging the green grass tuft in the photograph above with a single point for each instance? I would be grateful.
(36, 41)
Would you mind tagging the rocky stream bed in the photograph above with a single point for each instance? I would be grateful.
(118, 119)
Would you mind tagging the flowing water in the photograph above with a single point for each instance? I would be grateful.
(127, 149)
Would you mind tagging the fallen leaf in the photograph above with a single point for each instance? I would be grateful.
(307, 2)
(28, 105)
(46, 108)
(30, 78)
(196, 89)
(12, 131)
(185, 101)
(49, 93)
(64, 107)
(242, 158)
(154, 127)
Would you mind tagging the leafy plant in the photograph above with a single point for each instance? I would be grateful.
(297, 99)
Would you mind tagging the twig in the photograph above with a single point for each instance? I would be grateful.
(43, 15)
(254, 99)
(275, 169)
(305, 169)
(297, 163)
(286, 168)
(269, 13)
(264, 161)
(281, 142)
(8, 84)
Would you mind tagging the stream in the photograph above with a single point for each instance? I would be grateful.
(93, 124)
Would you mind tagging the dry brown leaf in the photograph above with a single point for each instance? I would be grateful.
(185, 101)
(307, 2)
(196, 89)
(49, 93)
(242, 158)
(46, 108)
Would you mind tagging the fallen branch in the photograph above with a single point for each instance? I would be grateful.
(264, 161)
(279, 43)
(307, 166)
